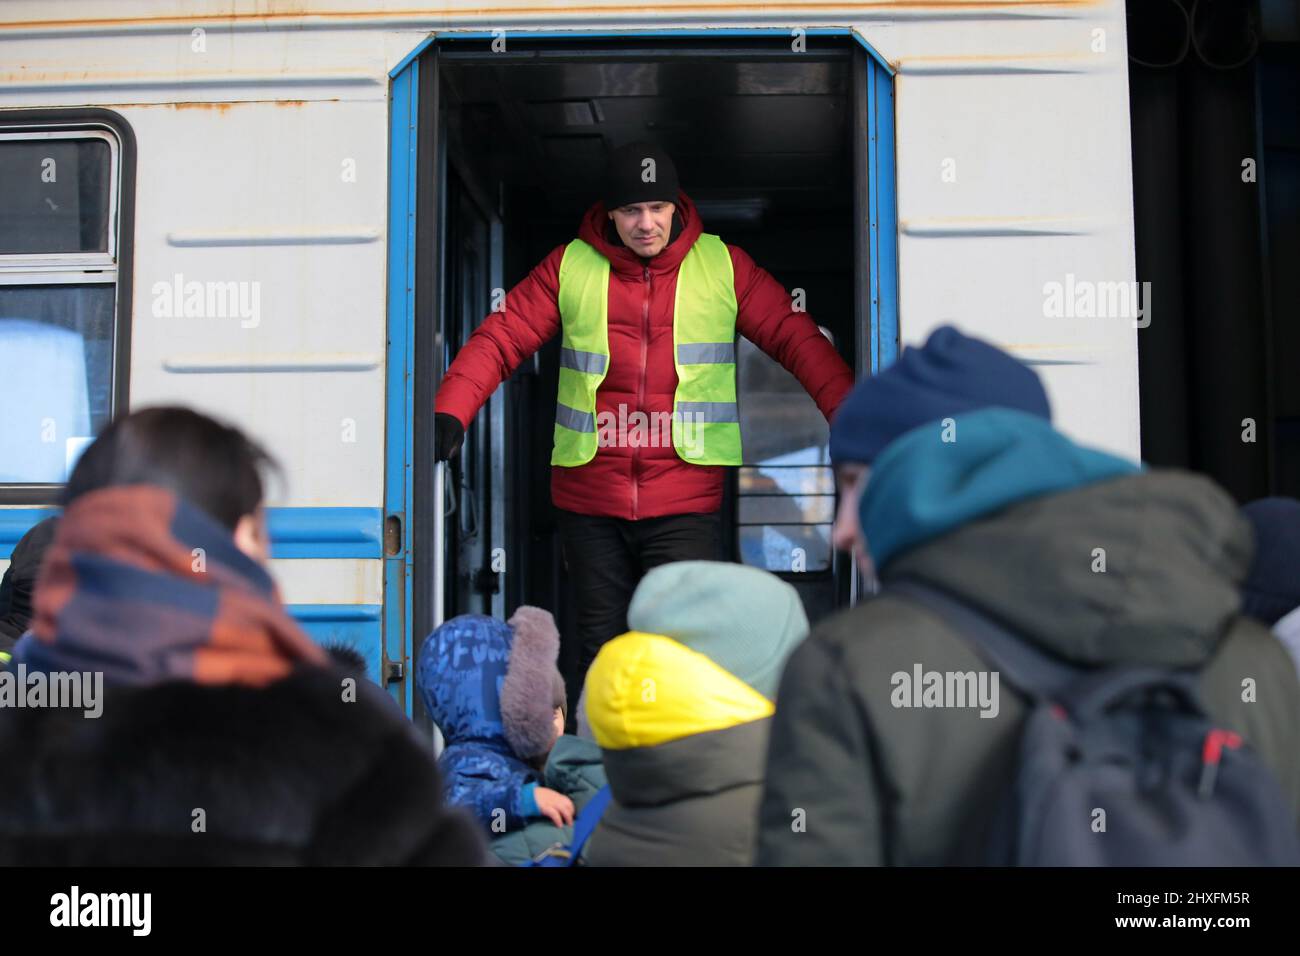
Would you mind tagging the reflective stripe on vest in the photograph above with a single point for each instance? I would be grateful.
(706, 420)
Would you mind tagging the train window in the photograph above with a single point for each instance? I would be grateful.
(58, 283)
(54, 193)
(785, 500)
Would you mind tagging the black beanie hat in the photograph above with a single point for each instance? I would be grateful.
(629, 179)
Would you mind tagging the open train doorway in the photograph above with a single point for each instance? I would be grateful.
(771, 142)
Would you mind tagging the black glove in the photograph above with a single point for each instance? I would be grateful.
(448, 433)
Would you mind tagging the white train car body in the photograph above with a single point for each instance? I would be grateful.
(270, 241)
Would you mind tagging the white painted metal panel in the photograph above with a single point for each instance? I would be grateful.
(1017, 94)
(329, 581)
(289, 202)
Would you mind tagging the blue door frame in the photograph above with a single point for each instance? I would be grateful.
(398, 641)
(399, 486)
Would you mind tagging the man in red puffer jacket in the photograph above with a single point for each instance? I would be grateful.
(648, 305)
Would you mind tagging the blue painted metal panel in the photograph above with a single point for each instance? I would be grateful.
(523, 33)
(873, 226)
(399, 440)
(358, 626)
(16, 522)
(295, 532)
(325, 532)
(407, 60)
(882, 191)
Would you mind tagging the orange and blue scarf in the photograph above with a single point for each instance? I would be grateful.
(144, 587)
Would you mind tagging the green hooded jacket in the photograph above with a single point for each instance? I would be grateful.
(574, 769)
(1093, 561)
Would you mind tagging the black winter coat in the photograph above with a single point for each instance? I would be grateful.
(188, 774)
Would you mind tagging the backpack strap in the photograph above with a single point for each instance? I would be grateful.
(583, 827)
(1019, 662)
(588, 819)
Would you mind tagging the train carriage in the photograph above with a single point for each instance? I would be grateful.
(292, 214)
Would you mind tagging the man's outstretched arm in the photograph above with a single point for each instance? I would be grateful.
(529, 319)
(765, 315)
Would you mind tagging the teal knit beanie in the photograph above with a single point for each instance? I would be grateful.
(745, 620)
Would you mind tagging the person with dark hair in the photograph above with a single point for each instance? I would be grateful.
(20, 581)
(225, 735)
(648, 306)
(214, 467)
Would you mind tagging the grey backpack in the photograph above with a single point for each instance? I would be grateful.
(1120, 766)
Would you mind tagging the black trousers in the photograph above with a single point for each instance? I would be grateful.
(606, 558)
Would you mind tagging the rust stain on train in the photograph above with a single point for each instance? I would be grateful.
(224, 106)
(303, 11)
(216, 107)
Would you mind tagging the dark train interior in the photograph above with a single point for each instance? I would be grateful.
(762, 137)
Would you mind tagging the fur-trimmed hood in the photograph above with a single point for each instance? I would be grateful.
(533, 686)
(493, 684)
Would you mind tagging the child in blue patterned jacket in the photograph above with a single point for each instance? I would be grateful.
(494, 691)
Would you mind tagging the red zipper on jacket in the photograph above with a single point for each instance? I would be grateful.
(640, 388)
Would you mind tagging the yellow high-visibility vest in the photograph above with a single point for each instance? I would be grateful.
(706, 419)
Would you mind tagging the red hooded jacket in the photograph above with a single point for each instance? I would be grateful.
(639, 482)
